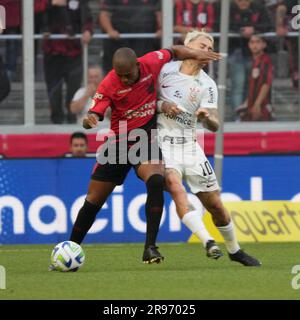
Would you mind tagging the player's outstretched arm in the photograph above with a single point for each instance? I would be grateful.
(209, 118)
(90, 121)
(183, 53)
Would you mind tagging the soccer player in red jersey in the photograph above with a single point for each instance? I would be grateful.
(130, 91)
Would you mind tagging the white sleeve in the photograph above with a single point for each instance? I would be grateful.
(210, 96)
(79, 94)
(159, 105)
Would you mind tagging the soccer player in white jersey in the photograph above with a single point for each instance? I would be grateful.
(186, 95)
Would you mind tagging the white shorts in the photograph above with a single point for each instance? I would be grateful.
(191, 163)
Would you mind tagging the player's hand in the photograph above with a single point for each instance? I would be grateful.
(170, 108)
(205, 57)
(90, 121)
(202, 114)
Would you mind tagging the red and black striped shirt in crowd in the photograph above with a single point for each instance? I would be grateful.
(261, 73)
(75, 17)
(189, 14)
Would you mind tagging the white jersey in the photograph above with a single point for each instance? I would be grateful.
(189, 93)
(177, 134)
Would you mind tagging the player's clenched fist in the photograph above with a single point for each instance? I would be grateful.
(202, 114)
(90, 121)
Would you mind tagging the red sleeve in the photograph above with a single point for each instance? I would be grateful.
(101, 101)
(156, 59)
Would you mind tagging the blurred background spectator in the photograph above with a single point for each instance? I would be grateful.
(78, 145)
(13, 26)
(284, 17)
(257, 106)
(246, 18)
(194, 14)
(63, 58)
(82, 99)
(262, 15)
(4, 81)
(129, 16)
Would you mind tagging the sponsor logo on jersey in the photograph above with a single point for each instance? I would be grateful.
(160, 55)
(183, 118)
(124, 91)
(144, 111)
(98, 96)
(211, 95)
(178, 94)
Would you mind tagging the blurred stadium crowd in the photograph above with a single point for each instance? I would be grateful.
(262, 69)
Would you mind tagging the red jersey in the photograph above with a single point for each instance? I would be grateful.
(194, 15)
(134, 104)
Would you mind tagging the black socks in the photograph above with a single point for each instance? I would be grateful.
(84, 221)
(154, 207)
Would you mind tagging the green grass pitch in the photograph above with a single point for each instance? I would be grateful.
(116, 272)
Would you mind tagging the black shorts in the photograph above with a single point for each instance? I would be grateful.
(121, 160)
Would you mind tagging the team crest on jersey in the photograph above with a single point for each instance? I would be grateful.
(193, 95)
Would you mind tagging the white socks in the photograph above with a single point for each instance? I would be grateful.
(228, 234)
(193, 221)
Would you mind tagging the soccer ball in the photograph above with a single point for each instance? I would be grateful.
(67, 256)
